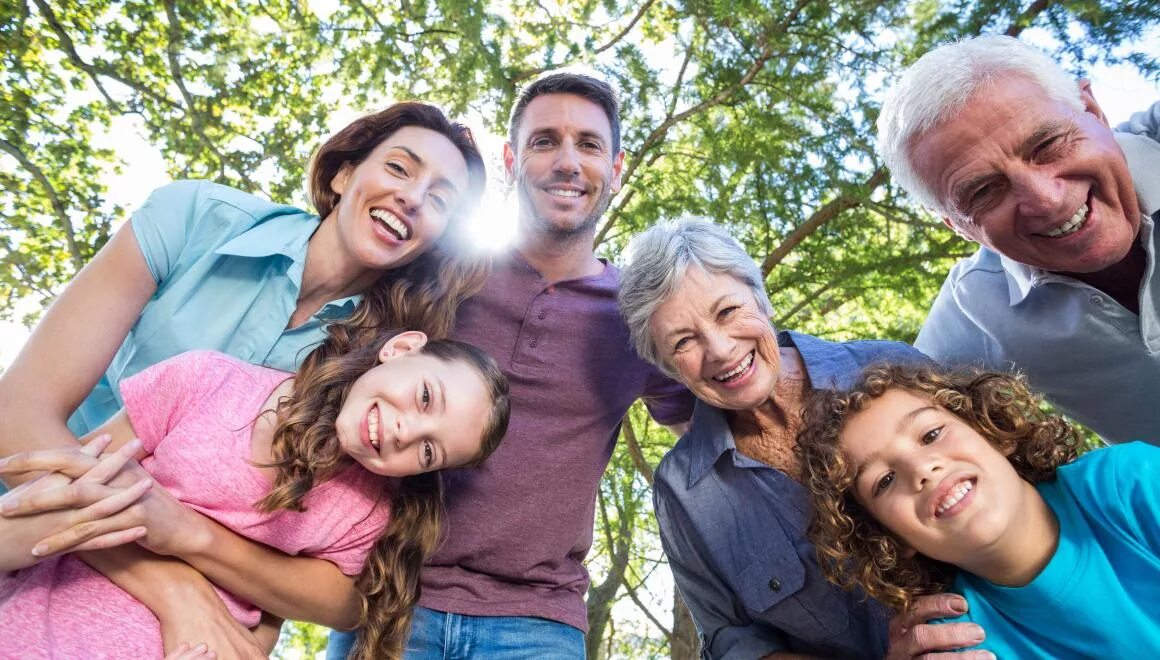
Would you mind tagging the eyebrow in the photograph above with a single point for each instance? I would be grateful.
(554, 132)
(420, 162)
(712, 308)
(1045, 130)
(906, 420)
(442, 451)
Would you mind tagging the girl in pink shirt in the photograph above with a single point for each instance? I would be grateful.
(294, 463)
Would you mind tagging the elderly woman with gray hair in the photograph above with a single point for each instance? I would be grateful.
(728, 497)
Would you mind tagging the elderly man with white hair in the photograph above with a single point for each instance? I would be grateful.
(1017, 156)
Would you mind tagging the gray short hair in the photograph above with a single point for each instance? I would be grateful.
(940, 83)
(657, 262)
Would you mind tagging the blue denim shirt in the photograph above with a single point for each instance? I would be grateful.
(734, 531)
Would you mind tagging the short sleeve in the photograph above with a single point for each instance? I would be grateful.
(349, 553)
(1125, 484)
(949, 336)
(1145, 122)
(163, 223)
(668, 401)
(157, 398)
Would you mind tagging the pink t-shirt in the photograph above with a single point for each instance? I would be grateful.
(194, 414)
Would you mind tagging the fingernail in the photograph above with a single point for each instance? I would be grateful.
(10, 505)
(135, 442)
(201, 648)
(40, 550)
(977, 635)
(138, 532)
(959, 605)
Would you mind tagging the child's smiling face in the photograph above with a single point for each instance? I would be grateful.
(932, 480)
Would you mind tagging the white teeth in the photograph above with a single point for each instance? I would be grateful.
(373, 427)
(392, 223)
(956, 495)
(740, 369)
(1072, 225)
(557, 192)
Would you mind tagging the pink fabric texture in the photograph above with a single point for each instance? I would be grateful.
(194, 413)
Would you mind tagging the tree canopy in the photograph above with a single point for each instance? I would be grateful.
(757, 114)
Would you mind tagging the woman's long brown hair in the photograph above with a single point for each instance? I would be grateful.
(306, 451)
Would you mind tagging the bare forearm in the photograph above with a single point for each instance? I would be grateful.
(299, 588)
(163, 584)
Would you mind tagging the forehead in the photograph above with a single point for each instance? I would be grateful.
(436, 151)
(874, 425)
(696, 294)
(990, 127)
(566, 113)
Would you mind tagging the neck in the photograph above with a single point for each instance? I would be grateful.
(559, 259)
(1020, 555)
(330, 272)
(1121, 280)
(768, 432)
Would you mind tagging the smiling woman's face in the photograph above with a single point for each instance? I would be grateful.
(712, 334)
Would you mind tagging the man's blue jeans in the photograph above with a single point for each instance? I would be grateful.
(445, 636)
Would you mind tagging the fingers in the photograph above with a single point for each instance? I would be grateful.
(185, 652)
(97, 445)
(73, 462)
(104, 500)
(934, 606)
(103, 524)
(964, 655)
(927, 637)
(111, 464)
(911, 635)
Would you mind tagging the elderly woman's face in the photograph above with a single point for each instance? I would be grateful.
(712, 333)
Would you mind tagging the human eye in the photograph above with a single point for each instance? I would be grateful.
(397, 167)
(428, 455)
(882, 484)
(727, 311)
(541, 142)
(931, 435)
(439, 201)
(681, 344)
(425, 396)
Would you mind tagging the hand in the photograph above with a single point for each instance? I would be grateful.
(171, 528)
(204, 620)
(69, 509)
(912, 637)
(185, 652)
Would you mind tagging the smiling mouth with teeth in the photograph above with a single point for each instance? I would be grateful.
(373, 426)
(1072, 225)
(735, 373)
(563, 192)
(395, 226)
(954, 497)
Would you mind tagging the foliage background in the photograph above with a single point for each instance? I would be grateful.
(757, 114)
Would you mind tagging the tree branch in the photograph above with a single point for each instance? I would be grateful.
(827, 212)
(634, 451)
(58, 206)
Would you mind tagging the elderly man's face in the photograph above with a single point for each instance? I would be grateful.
(1032, 179)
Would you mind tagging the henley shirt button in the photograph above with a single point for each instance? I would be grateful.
(774, 584)
(1097, 300)
(543, 315)
(532, 343)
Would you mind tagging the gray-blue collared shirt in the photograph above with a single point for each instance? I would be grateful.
(734, 529)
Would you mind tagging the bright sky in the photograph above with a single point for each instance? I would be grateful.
(1120, 91)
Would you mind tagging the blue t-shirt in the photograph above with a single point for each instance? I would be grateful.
(1098, 595)
(228, 268)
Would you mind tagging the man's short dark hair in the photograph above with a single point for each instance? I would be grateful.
(593, 89)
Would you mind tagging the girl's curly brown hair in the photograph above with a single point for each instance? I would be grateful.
(854, 549)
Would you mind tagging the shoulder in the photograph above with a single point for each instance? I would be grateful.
(199, 198)
(1113, 468)
(838, 364)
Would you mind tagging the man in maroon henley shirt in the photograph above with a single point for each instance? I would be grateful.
(509, 581)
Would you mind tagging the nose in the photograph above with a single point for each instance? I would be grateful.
(409, 196)
(719, 346)
(924, 469)
(406, 431)
(567, 159)
(1038, 192)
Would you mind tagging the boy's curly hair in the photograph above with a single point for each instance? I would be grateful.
(854, 549)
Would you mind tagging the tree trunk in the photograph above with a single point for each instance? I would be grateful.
(683, 645)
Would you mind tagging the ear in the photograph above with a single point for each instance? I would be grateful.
(402, 344)
(953, 227)
(617, 166)
(338, 183)
(1089, 101)
(509, 163)
(905, 551)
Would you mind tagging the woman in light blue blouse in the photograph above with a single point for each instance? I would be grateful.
(203, 266)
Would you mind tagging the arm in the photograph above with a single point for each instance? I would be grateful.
(911, 636)
(71, 347)
(724, 634)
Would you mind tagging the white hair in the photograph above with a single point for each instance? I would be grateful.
(940, 83)
(658, 259)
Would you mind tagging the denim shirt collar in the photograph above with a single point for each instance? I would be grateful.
(829, 365)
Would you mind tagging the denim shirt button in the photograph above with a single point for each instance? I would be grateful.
(774, 584)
